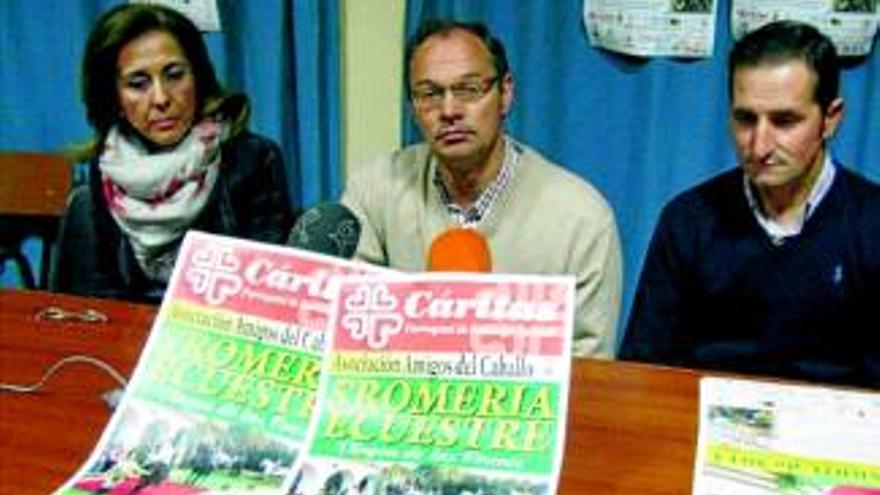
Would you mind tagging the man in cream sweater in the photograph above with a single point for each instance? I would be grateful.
(537, 217)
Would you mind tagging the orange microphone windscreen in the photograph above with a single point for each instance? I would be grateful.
(459, 250)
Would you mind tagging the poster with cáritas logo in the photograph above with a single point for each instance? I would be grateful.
(222, 395)
(442, 383)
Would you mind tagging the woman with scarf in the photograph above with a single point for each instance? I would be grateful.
(171, 153)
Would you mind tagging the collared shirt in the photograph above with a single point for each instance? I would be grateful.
(470, 217)
(779, 233)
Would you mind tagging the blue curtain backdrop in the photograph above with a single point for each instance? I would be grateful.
(284, 54)
(639, 129)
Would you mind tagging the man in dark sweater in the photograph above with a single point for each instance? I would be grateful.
(774, 267)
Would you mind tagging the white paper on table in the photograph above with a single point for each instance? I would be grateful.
(758, 437)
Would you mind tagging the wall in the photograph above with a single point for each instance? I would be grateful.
(372, 75)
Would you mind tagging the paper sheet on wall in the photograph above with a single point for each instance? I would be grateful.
(760, 438)
(675, 28)
(851, 24)
(203, 13)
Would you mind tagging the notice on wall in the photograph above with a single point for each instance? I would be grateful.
(203, 13)
(652, 28)
(760, 438)
(851, 24)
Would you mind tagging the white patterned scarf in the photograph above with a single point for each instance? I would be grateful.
(155, 197)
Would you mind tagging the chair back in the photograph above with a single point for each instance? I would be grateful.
(34, 183)
(33, 197)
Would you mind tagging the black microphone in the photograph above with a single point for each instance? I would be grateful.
(328, 228)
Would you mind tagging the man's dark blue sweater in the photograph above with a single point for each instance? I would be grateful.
(715, 291)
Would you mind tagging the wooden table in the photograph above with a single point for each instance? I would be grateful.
(45, 436)
(631, 428)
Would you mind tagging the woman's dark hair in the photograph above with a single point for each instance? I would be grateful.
(119, 26)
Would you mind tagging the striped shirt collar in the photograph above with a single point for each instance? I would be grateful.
(779, 233)
(471, 217)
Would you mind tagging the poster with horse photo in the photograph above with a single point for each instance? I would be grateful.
(221, 397)
(443, 383)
